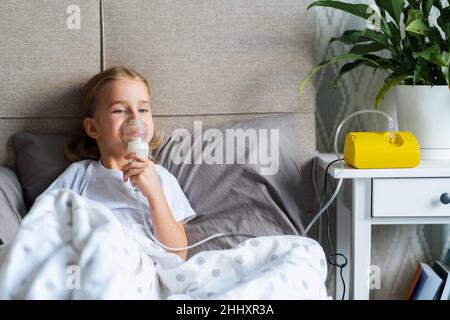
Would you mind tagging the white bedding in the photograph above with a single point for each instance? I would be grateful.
(69, 247)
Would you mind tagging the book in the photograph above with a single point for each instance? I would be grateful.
(413, 282)
(425, 284)
(443, 271)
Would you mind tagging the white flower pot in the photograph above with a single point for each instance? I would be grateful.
(425, 111)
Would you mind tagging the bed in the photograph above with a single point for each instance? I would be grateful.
(221, 64)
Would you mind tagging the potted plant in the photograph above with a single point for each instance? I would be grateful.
(402, 40)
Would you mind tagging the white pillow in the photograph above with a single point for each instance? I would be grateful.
(12, 206)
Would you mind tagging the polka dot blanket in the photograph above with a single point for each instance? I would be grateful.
(70, 247)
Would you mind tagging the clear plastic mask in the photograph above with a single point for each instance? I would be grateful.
(133, 130)
(134, 135)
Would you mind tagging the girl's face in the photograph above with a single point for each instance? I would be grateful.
(116, 102)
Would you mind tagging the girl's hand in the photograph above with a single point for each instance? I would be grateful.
(142, 174)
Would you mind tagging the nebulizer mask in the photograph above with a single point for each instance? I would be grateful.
(134, 134)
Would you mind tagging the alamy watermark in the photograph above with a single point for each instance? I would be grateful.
(259, 147)
(73, 281)
(73, 21)
(374, 279)
(374, 20)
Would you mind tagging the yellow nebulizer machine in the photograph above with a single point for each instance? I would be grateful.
(379, 150)
(372, 150)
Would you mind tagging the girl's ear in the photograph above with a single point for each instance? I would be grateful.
(89, 127)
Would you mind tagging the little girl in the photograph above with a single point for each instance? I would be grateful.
(103, 170)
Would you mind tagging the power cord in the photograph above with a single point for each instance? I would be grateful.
(332, 258)
(391, 129)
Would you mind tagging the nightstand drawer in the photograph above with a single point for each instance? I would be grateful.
(405, 197)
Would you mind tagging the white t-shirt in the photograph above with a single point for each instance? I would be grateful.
(92, 180)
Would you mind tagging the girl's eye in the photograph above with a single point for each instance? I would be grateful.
(120, 111)
(143, 110)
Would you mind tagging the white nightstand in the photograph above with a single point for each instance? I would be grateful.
(382, 197)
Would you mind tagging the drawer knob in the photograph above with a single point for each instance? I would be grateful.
(445, 198)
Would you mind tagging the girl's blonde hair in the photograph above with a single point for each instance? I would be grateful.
(84, 147)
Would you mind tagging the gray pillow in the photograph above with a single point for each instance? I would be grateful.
(12, 206)
(226, 197)
(40, 160)
(238, 197)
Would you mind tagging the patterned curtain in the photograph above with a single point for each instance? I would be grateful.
(396, 250)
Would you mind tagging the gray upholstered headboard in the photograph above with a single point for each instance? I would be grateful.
(214, 60)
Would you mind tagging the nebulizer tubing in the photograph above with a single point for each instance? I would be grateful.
(134, 135)
(391, 139)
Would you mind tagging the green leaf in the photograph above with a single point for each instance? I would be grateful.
(414, 4)
(374, 62)
(388, 86)
(446, 69)
(349, 37)
(399, 69)
(432, 54)
(438, 4)
(418, 27)
(444, 22)
(396, 37)
(421, 71)
(340, 58)
(413, 15)
(382, 63)
(426, 7)
(377, 37)
(355, 36)
(436, 37)
(366, 48)
(394, 8)
(347, 68)
(359, 10)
